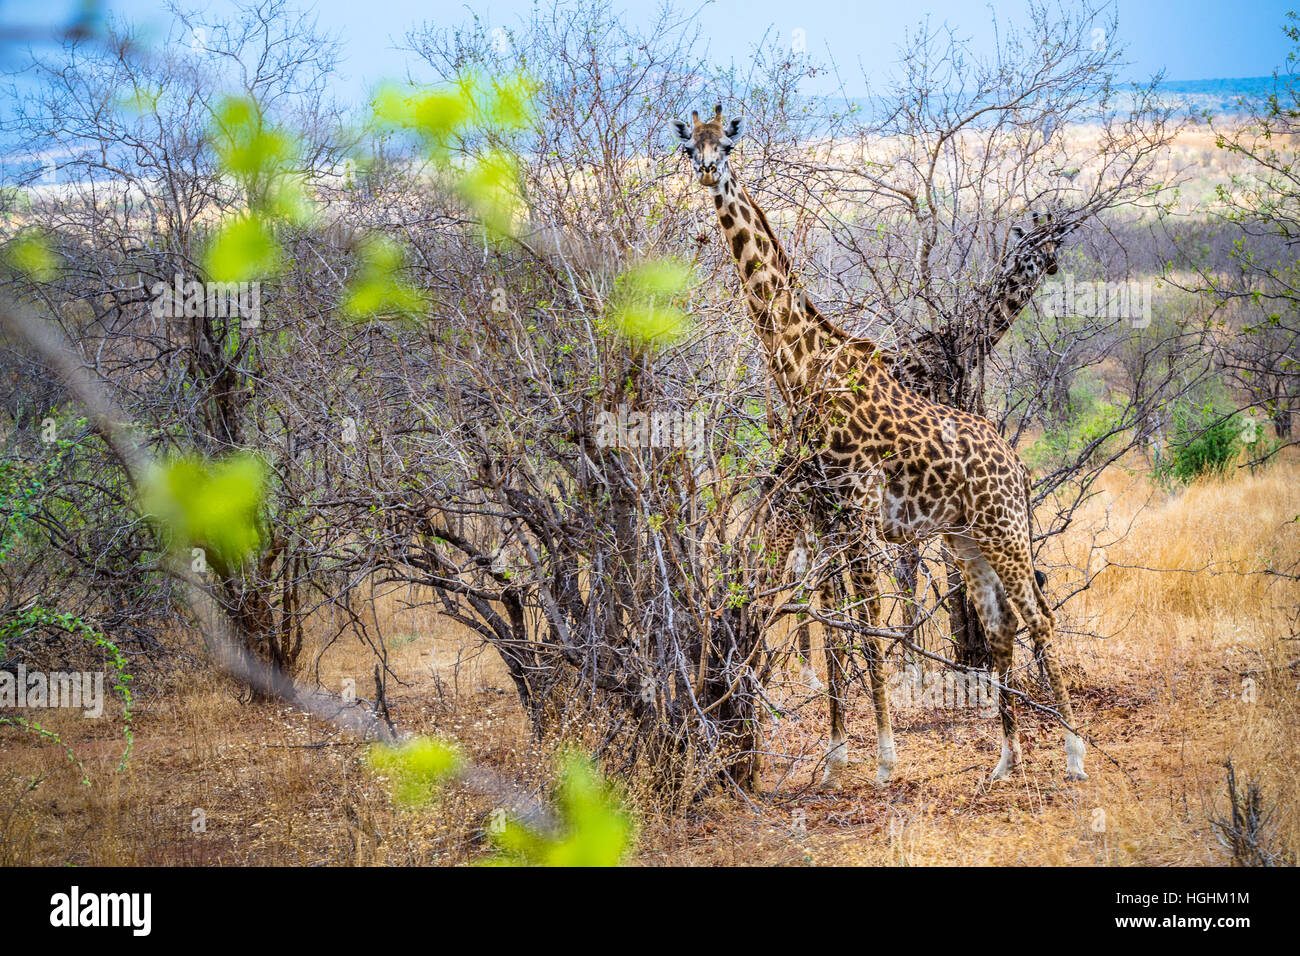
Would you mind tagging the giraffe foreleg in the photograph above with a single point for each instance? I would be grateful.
(865, 584)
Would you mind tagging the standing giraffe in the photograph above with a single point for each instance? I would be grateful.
(927, 361)
(924, 363)
(906, 468)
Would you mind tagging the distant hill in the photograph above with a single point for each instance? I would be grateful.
(1218, 96)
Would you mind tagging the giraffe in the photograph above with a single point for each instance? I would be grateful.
(907, 468)
(788, 540)
(792, 338)
(922, 362)
(919, 362)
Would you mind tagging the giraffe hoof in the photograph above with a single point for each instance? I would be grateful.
(837, 758)
(1074, 750)
(1008, 762)
(1003, 771)
(886, 760)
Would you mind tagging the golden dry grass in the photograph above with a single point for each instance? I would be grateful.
(1163, 697)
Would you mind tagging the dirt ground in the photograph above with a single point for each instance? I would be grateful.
(1201, 666)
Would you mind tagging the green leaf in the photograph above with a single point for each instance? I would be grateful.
(645, 304)
(30, 254)
(595, 828)
(261, 157)
(379, 289)
(491, 188)
(210, 505)
(244, 248)
(415, 768)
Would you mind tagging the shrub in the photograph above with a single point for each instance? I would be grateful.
(1205, 441)
(1090, 433)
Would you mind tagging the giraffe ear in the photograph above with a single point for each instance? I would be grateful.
(733, 130)
(683, 131)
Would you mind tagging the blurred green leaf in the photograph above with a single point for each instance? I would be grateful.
(30, 254)
(244, 249)
(596, 830)
(509, 105)
(261, 157)
(210, 505)
(473, 103)
(491, 188)
(415, 768)
(141, 101)
(645, 307)
(379, 289)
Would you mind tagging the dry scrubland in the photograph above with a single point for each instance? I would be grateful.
(1163, 698)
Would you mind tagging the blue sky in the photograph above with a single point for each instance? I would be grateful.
(1189, 39)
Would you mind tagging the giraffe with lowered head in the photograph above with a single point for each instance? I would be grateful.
(930, 362)
(907, 468)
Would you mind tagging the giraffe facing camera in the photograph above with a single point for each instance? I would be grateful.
(905, 468)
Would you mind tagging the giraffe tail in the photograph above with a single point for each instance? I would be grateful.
(1040, 582)
(1040, 579)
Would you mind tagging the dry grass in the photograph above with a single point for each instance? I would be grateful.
(1163, 697)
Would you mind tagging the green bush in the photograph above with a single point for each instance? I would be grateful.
(1205, 441)
(1091, 420)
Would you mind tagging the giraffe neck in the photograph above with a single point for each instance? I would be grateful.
(1020, 277)
(1010, 293)
(794, 334)
(924, 362)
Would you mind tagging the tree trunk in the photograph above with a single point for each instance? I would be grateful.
(967, 632)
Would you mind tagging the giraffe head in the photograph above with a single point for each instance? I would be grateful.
(1045, 237)
(707, 144)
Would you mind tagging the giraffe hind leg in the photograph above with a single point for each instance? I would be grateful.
(807, 674)
(994, 610)
(1022, 586)
(868, 592)
(837, 751)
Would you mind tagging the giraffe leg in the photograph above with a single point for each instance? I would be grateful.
(803, 639)
(1017, 574)
(865, 584)
(837, 751)
(778, 539)
(807, 675)
(990, 600)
